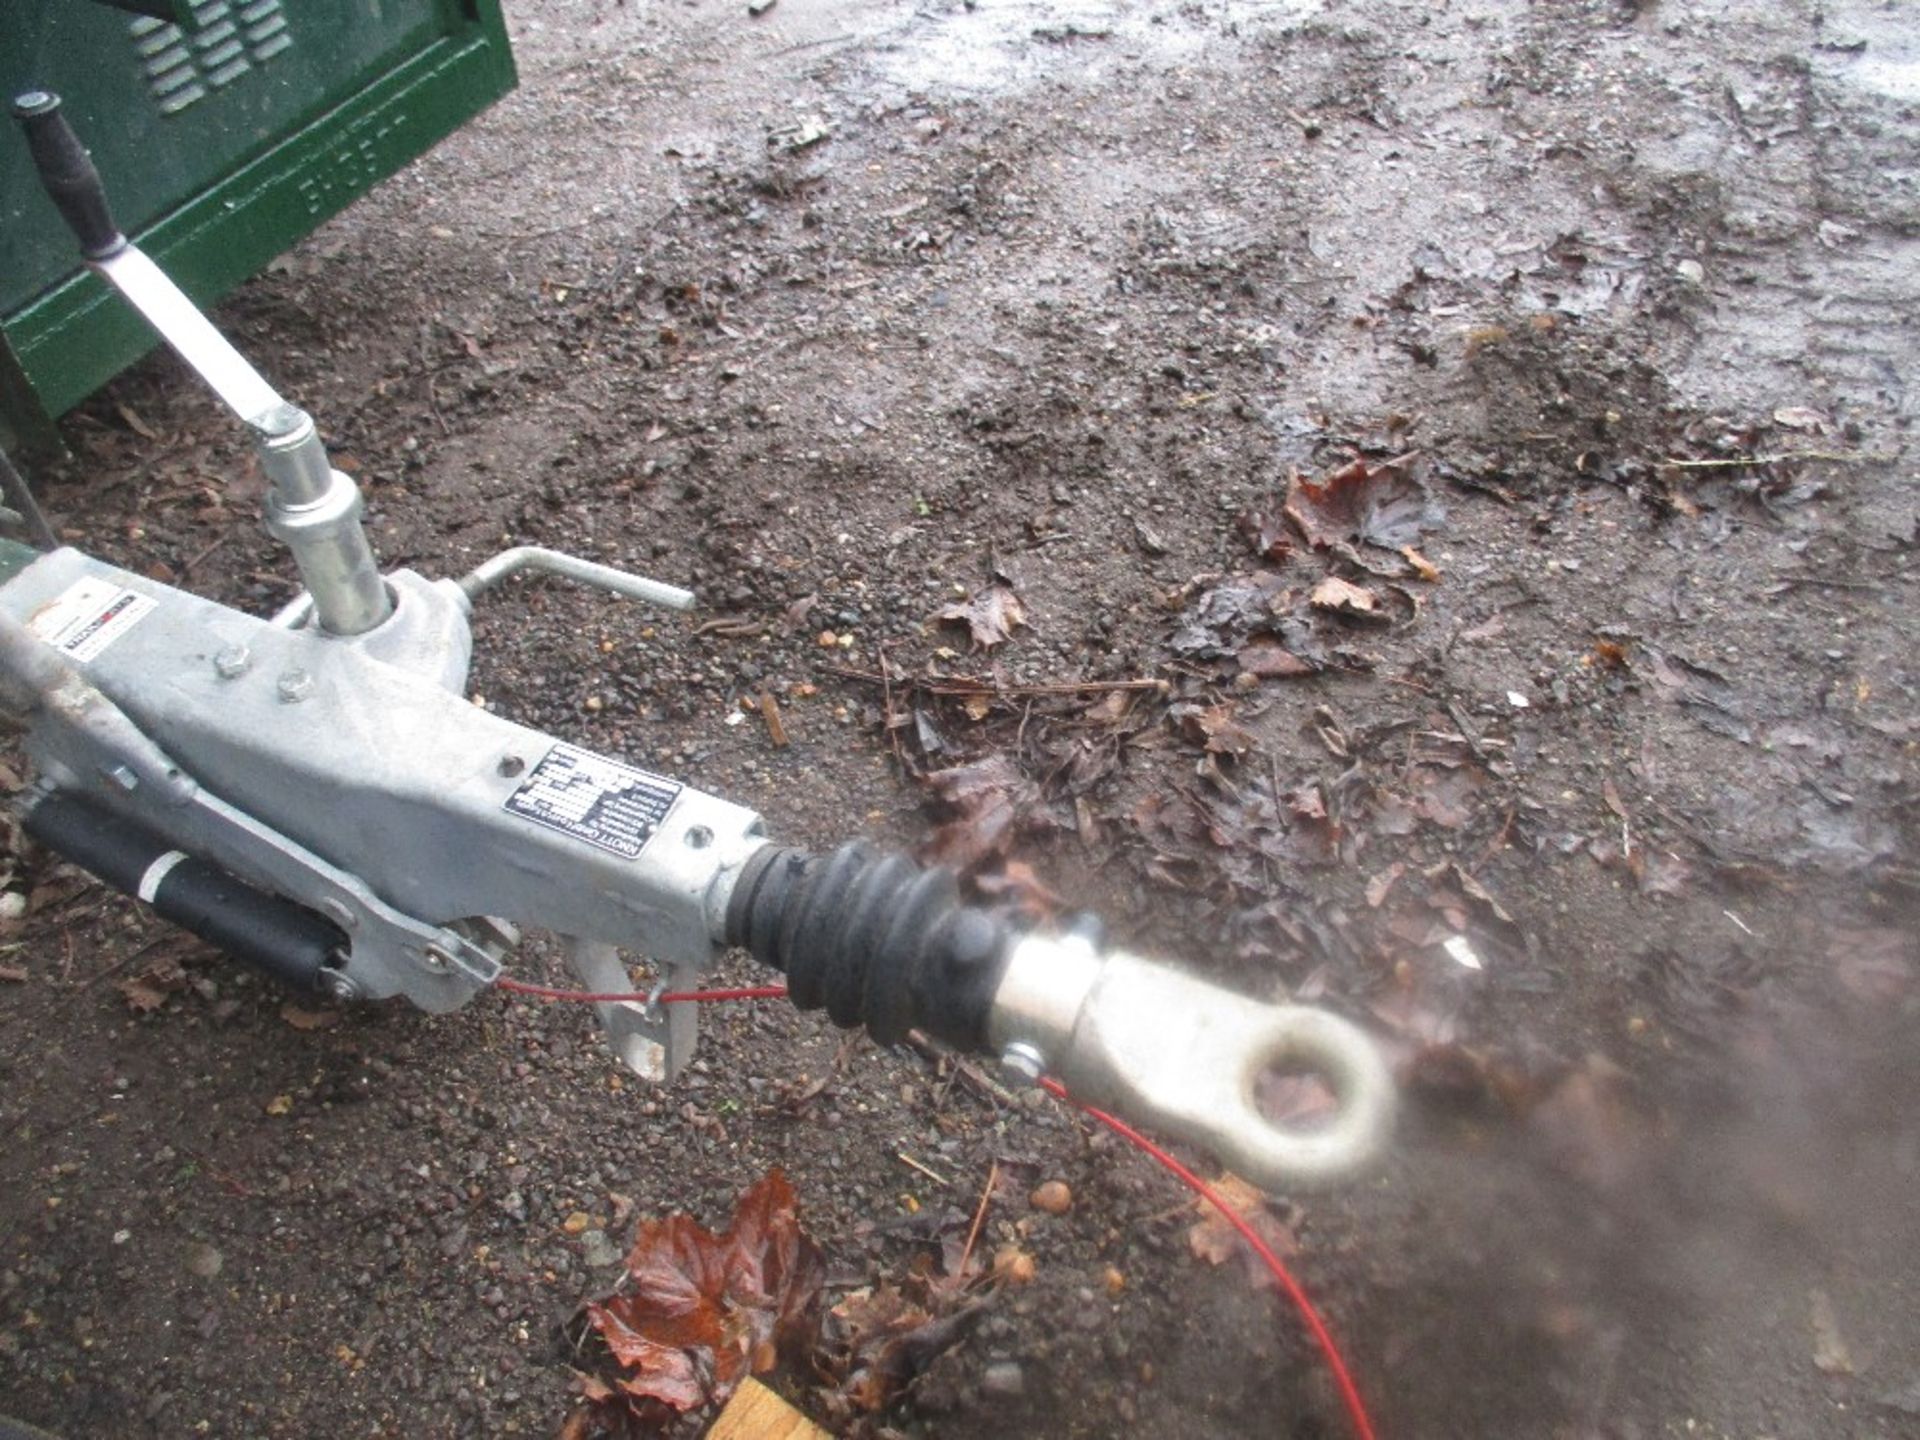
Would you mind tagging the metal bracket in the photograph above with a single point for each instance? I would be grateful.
(654, 1041)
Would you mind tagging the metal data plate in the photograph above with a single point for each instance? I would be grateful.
(595, 799)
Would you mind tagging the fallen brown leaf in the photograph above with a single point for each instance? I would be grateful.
(702, 1311)
(1213, 728)
(1294, 1101)
(776, 725)
(1800, 417)
(144, 993)
(1609, 654)
(303, 1019)
(1381, 504)
(1446, 798)
(1264, 528)
(1016, 886)
(1422, 566)
(135, 423)
(1379, 886)
(1270, 660)
(1343, 598)
(878, 1342)
(991, 615)
(986, 803)
(1213, 1238)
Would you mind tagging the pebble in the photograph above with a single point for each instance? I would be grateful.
(1054, 1198)
(599, 1250)
(1013, 1265)
(1003, 1378)
(205, 1261)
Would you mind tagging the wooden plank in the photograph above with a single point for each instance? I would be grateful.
(756, 1413)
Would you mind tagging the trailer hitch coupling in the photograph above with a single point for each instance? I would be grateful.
(1174, 1052)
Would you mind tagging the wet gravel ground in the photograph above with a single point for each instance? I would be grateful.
(835, 315)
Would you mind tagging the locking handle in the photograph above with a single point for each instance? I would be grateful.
(68, 175)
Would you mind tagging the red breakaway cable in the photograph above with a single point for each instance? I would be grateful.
(671, 997)
(1322, 1337)
(1290, 1287)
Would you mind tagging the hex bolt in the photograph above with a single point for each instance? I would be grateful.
(232, 661)
(295, 686)
(1024, 1062)
(341, 986)
(436, 960)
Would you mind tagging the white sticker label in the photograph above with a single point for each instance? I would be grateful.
(89, 616)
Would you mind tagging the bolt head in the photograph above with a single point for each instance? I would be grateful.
(1024, 1062)
(232, 661)
(341, 987)
(295, 686)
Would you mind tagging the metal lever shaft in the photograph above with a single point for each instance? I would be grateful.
(491, 572)
(313, 509)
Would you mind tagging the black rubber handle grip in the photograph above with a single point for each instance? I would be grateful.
(66, 170)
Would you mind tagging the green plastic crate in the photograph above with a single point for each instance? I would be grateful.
(225, 130)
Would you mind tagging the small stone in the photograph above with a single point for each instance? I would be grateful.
(599, 1250)
(1691, 271)
(576, 1223)
(280, 1105)
(1013, 1265)
(1054, 1198)
(1003, 1378)
(1113, 1280)
(205, 1261)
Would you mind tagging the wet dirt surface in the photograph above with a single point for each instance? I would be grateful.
(836, 315)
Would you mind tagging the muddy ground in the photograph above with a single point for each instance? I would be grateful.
(838, 314)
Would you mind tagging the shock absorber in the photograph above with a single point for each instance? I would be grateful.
(287, 941)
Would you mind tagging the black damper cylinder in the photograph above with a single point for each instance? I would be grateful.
(874, 938)
(287, 941)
